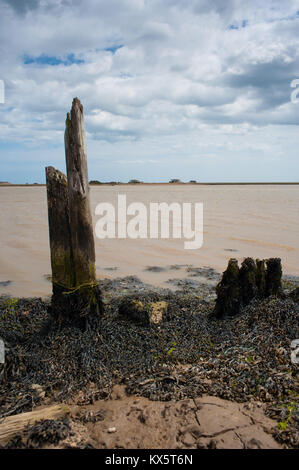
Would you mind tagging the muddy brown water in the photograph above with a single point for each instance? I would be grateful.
(239, 220)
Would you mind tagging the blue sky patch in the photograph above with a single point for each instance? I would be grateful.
(235, 26)
(113, 49)
(44, 59)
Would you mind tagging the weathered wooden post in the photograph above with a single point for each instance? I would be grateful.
(76, 296)
(228, 291)
(273, 277)
(59, 229)
(248, 280)
(78, 190)
(260, 277)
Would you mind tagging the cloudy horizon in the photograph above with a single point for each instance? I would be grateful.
(195, 90)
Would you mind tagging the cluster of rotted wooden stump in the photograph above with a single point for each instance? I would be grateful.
(239, 285)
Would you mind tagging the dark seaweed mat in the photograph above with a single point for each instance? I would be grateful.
(238, 359)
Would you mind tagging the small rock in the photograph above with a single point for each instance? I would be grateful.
(202, 444)
(212, 444)
(254, 444)
(111, 430)
(134, 310)
(188, 440)
(151, 313)
(157, 310)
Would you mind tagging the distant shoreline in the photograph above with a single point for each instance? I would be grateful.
(181, 183)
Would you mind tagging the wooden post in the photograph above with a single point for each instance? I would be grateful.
(260, 277)
(228, 291)
(273, 277)
(59, 229)
(78, 190)
(76, 296)
(248, 280)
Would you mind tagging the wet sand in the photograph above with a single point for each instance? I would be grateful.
(130, 422)
(239, 220)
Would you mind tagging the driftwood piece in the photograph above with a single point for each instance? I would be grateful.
(13, 425)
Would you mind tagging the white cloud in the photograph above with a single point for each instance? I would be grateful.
(181, 74)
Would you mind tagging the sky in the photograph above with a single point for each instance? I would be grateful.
(188, 89)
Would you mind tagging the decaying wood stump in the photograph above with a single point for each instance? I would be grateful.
(78, 192)
(59, 228)
(273, 276)
(228, 291)
(76, 294)
(239, 286)
(295, 294)
(248, 280)
(260, 278)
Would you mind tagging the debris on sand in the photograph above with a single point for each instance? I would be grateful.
(155, 269)
(188, 354)
(48, 431)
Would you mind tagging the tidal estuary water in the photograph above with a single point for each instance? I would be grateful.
(239, 220)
